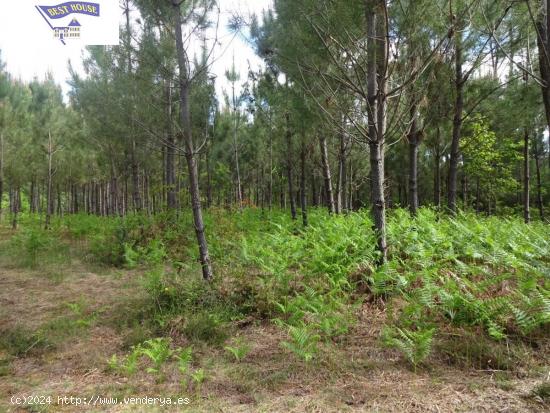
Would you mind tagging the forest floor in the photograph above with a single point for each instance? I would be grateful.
(58, 328)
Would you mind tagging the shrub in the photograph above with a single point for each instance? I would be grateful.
(34, 247)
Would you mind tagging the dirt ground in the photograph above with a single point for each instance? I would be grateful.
(355, 375)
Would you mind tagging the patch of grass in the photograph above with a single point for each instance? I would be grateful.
(470, 350)
(34, 247)
(20, 341)
(542, 391)
(5, 367)
(135, 335)
(250, 378)
(206, 327)
(238, 350)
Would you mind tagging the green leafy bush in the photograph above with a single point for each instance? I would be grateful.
(35, 247)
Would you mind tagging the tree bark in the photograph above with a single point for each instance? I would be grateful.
(49, 200)
(414, 138)
(14, 206)
(543, 43)
(208, 177)
(170, 151)
(303, 193)
(526, 178)
(270, 189)
(1, 172)
(289, 175)
(437, 169)
(377, 39)
(326, 174)
(342, 174)
(457, 124)
(236, 150)
(539, 184)
(190, 156)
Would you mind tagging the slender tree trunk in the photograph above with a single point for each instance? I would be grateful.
(14, 206)
(303, 193)
(125, 206)
(236, 151)
(540, 204)
(377, 38)
(478, 196)
(190, 156)
(526, 178)
(414, 137)
(313, 190)
(437, 170)
(49, 199)
(32, 201)
(270, 190)
(457, 125)
(1, 172)
(464, 182)
(170, 150)
(289, 175)
(543, 43)
(326, 174)
(59, 203)
(208, 177)
(76, 205)
(413, 178)
(342, 171)
(350, 189)
(138, 202)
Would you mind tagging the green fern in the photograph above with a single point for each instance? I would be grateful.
(303, 343)
(414, 345)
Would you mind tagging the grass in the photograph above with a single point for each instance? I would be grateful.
(465, 294)
(20, 341)
(465, 272)
(542, 391)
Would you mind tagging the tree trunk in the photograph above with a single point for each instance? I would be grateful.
(270, 190)
(49, 200)
(413, 178)
(32, 201)
(289, 175)
(236, 151)
(464, 182)
(342, 172)
(326, 174)
(208, 177)
(350, 189)
(137, 200)
(377, 38)
(414, 138)
(1, 172)
(457, 125)
(540, 204)
(478, 197)
(313, 190)
(303, 193)
(543, 43)
(15, 200)
(526, 178)
(170, 151)
(59, 203)
(437, 170)
(185, 119)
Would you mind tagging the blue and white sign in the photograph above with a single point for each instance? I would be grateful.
(86, 23)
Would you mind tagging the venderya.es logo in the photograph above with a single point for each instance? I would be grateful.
(80, 22)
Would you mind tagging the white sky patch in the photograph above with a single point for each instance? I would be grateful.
(28, 47)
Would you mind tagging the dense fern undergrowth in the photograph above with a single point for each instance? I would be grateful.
(465, 276)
